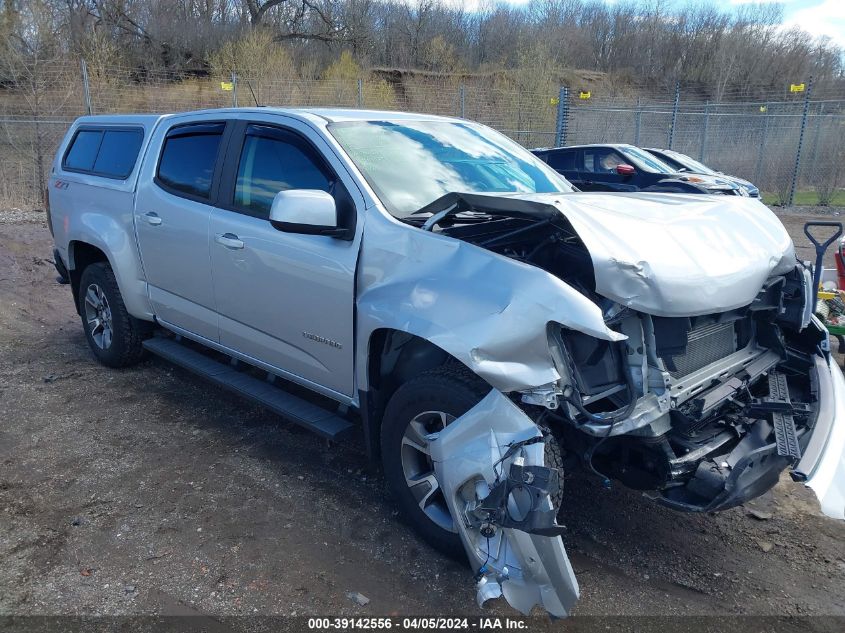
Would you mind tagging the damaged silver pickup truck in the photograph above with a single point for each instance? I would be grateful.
(431, 282)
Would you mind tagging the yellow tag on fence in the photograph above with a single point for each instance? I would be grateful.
(227, 85)
(796, 87)
(764, 108)
(585, 95)
(554, 100)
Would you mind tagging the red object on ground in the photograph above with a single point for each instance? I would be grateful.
(839, 257)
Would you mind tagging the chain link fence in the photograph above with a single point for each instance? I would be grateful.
(757, 140)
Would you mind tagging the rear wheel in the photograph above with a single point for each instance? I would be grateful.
(113, 335)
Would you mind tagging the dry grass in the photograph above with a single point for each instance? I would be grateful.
(496, 99)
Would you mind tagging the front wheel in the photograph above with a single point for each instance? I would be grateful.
(113, 335)
(423, 406)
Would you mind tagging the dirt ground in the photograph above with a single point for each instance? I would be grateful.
(148, 491)
(794, 219)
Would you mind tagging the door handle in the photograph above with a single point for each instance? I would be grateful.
(229, 240)
(152, 218)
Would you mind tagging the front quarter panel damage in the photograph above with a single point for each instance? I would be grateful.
(471, 456)
(488, 311)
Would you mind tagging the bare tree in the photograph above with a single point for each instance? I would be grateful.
(724, 54)
(28, 64)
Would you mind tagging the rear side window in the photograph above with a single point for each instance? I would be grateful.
(118, 152)
(562, 160)
(188, 158)
(104, 152)
(83, 150)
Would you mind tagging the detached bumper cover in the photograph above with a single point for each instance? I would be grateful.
(822, 468)
(470, 457)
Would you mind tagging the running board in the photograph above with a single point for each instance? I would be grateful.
(308, 415)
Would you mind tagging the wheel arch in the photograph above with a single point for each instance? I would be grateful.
(80, 256)
(104, 240)
(393, 357)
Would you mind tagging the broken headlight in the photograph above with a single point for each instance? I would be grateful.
(595, 381)
(595, 365)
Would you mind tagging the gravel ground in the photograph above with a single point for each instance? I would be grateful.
(148, 491)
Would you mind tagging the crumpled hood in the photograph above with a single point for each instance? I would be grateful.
(676, 255)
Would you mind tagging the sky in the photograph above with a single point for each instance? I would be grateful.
(817, 17)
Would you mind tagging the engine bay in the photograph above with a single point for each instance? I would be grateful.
(704, 412)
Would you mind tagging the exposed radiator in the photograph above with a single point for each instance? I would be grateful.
(705, 344)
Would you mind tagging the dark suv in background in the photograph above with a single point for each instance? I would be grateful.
(621, 167)
(686, 164)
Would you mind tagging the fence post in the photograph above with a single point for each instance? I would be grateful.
(758, 172)
(462, 96)
(819, 115)
(86, 89)
(704, 126)
(360, 93)
(234, 89)
(797, 169)
(637, 123)
(562, 121)
(674, 113)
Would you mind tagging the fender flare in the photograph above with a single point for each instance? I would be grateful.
(105, 233)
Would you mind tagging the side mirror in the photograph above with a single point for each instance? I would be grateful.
(308, 211)
(625, 170)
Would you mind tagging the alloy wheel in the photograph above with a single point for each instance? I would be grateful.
(98, 316)
(418, 467)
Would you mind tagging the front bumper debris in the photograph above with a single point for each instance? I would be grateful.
(516, 553)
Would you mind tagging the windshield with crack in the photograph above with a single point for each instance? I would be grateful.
(412, 163)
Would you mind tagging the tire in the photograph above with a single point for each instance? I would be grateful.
(113, 335)
(553, 458)
(449, 390)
